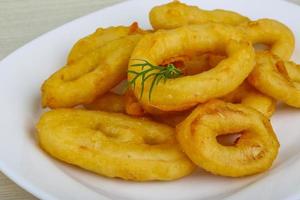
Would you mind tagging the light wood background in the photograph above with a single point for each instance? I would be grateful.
(24, 20)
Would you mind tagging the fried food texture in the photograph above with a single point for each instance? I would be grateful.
(176, 14)
(110, 102)
(222, 79)
(93, 75)
(113, 145)
(267, 31)
(201, 89)
(128, 104)
(132, 105)
(277, 78)
(101, 37)
(270, 32)
(253, 152)
(247, 95)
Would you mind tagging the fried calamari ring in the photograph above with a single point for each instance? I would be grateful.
(93, 75)
(101, 37)
(277, 78)
(195, 64)
(132, 105)
(128, 104)
(273, 33)
(171, 119)
(110, 102)
(113, 145)
(254, 151)
(291, 69)
(176, 14)
(249, 96)
(244, 94)
(217, 82)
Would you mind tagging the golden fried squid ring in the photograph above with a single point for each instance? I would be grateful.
(244, 94)
(113, 145)
(101, 37)
(249, 96)
(267, 31)
(128, 104)
(171, 119)
(132, 105)
(110, 102)
(222, 79)
(254, 151)
(273, 33)
(277, 78)
(195, 64)
(176, 14)
(93, 75)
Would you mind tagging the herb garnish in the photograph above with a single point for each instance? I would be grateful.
(158, 72)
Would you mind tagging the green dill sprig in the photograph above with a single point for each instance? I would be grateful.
(158, 73)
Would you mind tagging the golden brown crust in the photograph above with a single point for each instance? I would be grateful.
(273, 33)
(113, 145)
(249, 96)
(99, 38)
(176, 14)
(254, 152)
(276, 78)
(90, 77)
(110, 102)
(224, 78)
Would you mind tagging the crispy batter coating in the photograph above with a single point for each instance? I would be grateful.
(224, 78)
(267, 31)
(253, 152)
(101, 37)
(113, 145)
(249, 96)
(244, 94)
(132, 105)
(93, 75)
(211, 111)
(128, 104)
(273, 33)
(110, 102)
(276, 78)
(176, 14)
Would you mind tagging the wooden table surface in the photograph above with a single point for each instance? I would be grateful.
(24, 20)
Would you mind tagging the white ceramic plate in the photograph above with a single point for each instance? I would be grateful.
(22, 73)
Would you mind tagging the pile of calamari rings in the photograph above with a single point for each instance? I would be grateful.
(199, 93)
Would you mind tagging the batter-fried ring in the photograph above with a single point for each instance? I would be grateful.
(254, 151)
(176, 14)
(101, 37)
(134, 108)
(277, 78)
(249, 96)
(195, 64)
(244, 94)
(110, 102)
(273, 33)
(171, 119)
(113, 145)
(132, 105)
(93, 75)
(128, 104)
(217, 82)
